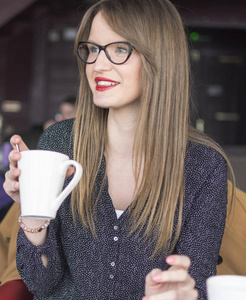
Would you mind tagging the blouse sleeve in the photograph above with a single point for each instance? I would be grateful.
(39, 279)
(42, 281)
(204, 216)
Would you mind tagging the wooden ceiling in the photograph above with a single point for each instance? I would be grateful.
(12, 8)
(213, 13)
(29, 10)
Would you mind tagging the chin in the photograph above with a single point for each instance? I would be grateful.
(101, 104)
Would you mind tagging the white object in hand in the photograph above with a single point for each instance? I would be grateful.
(226, 287)
(41, 181)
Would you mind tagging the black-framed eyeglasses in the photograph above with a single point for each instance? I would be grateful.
(117, 52)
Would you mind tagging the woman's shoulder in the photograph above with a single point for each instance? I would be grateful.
(205, 175)
(199, 153)
(58, 137)
(64, 126)
(203, 161)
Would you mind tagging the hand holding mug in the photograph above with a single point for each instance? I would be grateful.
(41, 175)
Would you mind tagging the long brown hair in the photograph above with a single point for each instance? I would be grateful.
(155, 29)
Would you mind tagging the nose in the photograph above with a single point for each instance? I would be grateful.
(102, 62)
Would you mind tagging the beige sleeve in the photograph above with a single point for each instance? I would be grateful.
(9, 228)
(233, 247)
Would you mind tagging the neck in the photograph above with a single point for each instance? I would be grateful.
(121, 133)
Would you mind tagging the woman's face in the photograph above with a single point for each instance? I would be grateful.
(113, 86)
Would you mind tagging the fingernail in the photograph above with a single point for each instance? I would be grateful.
(145, 298)
(16, 139)
(170, 259)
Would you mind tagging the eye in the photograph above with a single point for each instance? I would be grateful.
(93, 49)
(121, 49)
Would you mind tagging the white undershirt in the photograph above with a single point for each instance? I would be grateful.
(119, 213)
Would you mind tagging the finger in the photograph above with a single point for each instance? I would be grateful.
(11, 185)
(175, 295)
(175, 275)
(17, 140)
(11, 188)
(12, 174)
(14, 156)
(149, 277)
(179, 261)
(70, 171)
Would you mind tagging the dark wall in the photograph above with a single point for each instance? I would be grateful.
(38, 67)
(16, 72)
(219, 70)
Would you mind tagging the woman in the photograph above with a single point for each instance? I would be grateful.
(153, 195)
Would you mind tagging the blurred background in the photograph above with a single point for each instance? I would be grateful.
(38, 68)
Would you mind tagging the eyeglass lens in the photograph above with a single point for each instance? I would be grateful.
(116, 52)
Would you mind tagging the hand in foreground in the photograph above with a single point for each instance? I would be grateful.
(174, 283)
(11, 184)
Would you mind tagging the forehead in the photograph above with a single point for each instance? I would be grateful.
(101, 33)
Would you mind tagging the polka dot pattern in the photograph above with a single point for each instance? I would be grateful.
(113, 264)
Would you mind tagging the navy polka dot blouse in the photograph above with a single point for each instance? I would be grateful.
(113, 264)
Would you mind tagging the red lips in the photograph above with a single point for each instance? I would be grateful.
(103, 84)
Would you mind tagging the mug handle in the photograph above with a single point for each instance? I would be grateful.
(68, 189)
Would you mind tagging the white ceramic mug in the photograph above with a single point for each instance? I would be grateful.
(226, 287)
(41, 181)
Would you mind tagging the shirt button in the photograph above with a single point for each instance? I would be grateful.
(111, 276)
(116, 227)
(115, 238)
(38, 249)
(112, 264)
